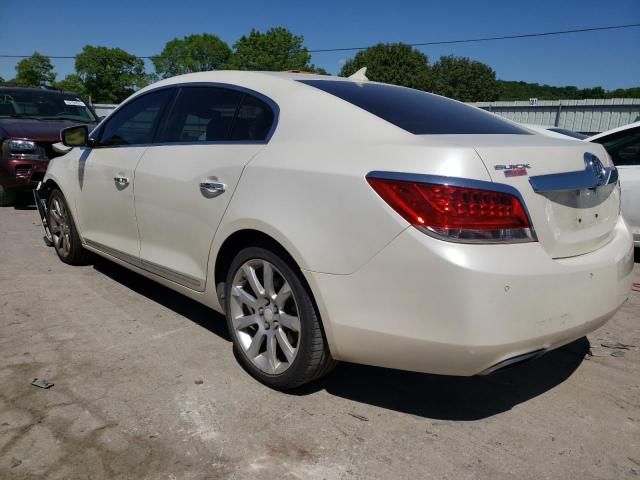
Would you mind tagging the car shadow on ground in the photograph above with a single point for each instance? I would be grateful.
(445, 397)
(178, 303)
(430, 396)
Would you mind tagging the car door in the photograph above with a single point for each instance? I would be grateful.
(624, 148)
(183, 185)
(105, 203)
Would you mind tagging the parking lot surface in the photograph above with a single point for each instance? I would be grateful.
(146, 387)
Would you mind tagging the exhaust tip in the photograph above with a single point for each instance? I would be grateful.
(517, 360)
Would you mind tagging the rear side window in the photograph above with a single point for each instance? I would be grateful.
(202, 114)
(624, 146)
(254, 120)
(135, 122)
(417, 112)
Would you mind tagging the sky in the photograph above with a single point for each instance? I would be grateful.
(610, 59)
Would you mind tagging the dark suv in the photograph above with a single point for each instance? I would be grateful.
(30, 123)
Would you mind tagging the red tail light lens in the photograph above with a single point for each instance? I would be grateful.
(457, 213)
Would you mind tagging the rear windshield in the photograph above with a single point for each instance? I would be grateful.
(417, 112)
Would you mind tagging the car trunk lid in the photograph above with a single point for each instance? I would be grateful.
(572, 206)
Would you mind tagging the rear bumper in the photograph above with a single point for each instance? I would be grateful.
(22, 174)
(432, 306)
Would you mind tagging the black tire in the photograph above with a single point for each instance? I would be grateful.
(7, 197)
(72, 252)
(313, 359)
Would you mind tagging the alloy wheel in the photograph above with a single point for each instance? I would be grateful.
(60, 227)
(265, 316)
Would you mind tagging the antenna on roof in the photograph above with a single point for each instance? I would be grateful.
(360, 75)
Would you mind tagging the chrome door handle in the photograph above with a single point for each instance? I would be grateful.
(121, 181)
(213, 187)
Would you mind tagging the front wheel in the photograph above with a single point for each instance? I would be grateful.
(66, 240)
(273, 321)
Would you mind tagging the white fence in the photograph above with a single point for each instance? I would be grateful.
(586, 116)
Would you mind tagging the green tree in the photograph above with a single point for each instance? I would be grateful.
(633, 92)
(109, 75)
(395, 63)
(465, 79)
(194, 53)
(513, 90)
(35, 71)
(72, 83)
(276, 50)
(319, 70)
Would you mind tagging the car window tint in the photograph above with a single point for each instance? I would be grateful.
(624, 146)
(202, 114)
(254, 120)
(416, 111)
(135, 122)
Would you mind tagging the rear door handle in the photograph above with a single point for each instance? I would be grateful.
(215, 188)
(121, 181)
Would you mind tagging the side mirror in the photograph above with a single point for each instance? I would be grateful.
(77, 136)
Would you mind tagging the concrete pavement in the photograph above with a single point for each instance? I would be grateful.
(146, 387)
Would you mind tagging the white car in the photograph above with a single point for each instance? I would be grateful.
(623, 144)
(339, 219)
(556, 132)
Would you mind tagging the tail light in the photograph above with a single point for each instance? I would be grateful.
(456, 212)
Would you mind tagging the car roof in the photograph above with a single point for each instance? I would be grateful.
(241, 75)
(613, 130)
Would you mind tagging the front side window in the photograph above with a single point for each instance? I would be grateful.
(202, 114)
(135, 123)
(624, 146)
(415, 111)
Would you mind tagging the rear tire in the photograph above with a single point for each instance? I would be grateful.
(7, 197)
(273, 322)
(66, 240)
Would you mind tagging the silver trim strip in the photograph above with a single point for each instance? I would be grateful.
(593, 176)
(177, 277)
(164, 272)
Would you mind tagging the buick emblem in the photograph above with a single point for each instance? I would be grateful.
(595, 166)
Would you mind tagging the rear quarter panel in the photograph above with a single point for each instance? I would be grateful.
(314, 198)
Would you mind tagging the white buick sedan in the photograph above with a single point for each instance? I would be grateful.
(336, 219)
